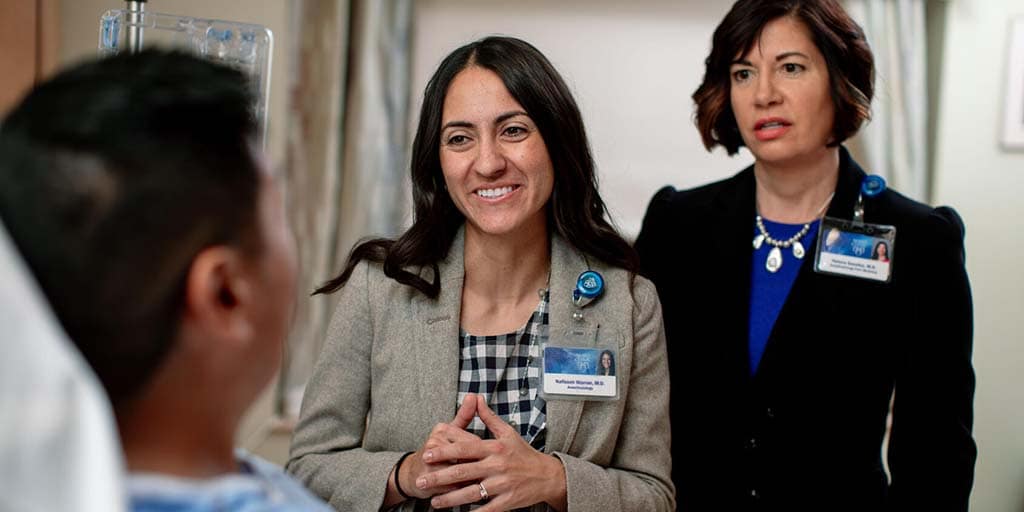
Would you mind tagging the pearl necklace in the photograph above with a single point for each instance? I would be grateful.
(774, 261)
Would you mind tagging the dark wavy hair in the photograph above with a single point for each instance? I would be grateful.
(575, 210)
(600, 367)
(851, 66)
(874, 252)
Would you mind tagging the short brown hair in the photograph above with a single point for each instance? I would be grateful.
(851, 66)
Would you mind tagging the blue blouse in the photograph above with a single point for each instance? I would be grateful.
(768, 291)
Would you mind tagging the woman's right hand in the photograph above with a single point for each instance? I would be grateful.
(413, 467)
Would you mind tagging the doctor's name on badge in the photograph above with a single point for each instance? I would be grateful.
(855, 267)
(580, 384)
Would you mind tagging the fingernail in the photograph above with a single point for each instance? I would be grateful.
(421, 483)
(428, 456)
(436, 503)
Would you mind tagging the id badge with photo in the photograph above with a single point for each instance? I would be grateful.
(856, 249)
(577, 366)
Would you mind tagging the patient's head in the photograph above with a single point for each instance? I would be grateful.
(133, 190)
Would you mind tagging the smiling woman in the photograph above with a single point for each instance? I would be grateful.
(495, 163)
(428, 390)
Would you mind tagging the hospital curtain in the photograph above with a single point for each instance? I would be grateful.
(894, 143)
(346, 152)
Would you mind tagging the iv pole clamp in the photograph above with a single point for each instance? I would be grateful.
(135, 8)
(243, 46)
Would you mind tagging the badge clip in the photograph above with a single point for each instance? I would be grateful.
(589, 286)
(870, 187)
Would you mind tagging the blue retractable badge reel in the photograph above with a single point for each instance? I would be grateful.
(872, 185)
(589, 286)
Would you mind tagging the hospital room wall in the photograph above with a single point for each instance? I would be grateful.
(28, 46)
(984, 182)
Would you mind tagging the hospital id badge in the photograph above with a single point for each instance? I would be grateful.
(576, 366)
(856, 249)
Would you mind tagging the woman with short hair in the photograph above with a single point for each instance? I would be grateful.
(785, 349)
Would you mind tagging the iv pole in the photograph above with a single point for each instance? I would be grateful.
(135, 31)
(244, 46)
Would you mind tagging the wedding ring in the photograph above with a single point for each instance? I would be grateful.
(483, 492)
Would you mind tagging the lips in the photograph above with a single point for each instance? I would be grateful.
(771, 128)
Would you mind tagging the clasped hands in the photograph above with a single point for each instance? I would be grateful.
(455, 467)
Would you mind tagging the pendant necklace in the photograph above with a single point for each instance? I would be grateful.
(774, 261)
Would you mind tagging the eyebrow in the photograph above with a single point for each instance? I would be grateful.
(781, 56)
(500, 119)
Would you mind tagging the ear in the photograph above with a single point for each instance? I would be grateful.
(218, 295)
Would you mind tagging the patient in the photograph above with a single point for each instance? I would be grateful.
(132, 189)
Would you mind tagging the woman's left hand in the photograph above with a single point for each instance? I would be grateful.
(505, 470)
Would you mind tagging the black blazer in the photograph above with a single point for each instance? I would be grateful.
(805, 432)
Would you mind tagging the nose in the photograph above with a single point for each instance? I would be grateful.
(490, 160)
(766, 94)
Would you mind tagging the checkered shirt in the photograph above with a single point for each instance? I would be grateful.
(505, 369)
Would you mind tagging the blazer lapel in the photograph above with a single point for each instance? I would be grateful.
(847, 187)
(437, 323)
(563, 416)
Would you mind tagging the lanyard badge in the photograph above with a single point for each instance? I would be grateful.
(854, 248)
(580, 364)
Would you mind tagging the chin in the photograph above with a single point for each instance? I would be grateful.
(494, 228)
(779, 156)
(504, 225)
(782, 153)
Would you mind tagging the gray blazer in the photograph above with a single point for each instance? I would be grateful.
(389, 371)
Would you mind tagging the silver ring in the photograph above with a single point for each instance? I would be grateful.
(483, 491)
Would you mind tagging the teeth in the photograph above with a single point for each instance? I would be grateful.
(493, 192)
(772, 124)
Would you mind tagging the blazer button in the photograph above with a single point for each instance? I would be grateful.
(754, 494)
(752, 443)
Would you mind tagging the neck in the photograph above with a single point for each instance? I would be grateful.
(169, 430)
(799, 192)
(503, 269)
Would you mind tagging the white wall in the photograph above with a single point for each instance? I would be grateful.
(632, 66)
(985, 184)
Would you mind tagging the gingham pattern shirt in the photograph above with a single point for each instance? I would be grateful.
(505, 369)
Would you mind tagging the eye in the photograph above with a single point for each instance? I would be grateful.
(792, 68)
(741, 75)
(514, 132)
(456, 140)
